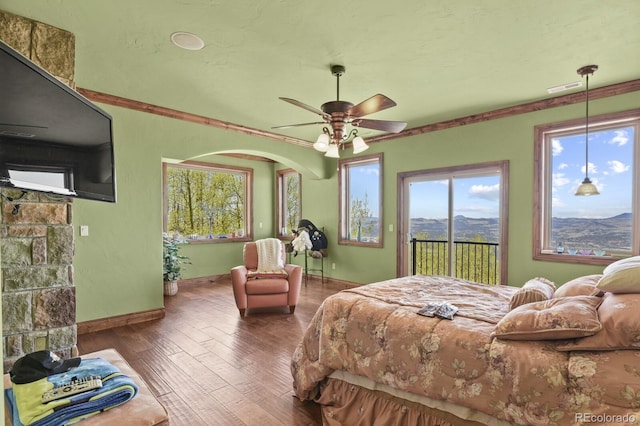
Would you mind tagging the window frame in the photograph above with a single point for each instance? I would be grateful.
(281, 201)
(542, 210)
(198, 165)
(344, 197)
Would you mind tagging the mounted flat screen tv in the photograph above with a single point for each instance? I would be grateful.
(52, 139)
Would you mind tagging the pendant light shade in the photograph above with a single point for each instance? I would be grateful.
(587, 187)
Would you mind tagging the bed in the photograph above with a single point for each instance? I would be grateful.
(510, 355)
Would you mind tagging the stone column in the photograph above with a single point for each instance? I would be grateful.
(38, 294)
(36, 235)
(49, 47)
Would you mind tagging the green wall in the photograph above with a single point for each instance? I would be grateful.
(118, 266)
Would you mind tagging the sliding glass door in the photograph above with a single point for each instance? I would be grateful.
(453, 222)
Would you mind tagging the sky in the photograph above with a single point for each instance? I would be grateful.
(365, 179)
(610, 169)
(475, 197)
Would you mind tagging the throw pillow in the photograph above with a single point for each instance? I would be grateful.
(270, 274)
(581, 286)
(534, 290)
(553, 319)
(622, 276)
(620, 326)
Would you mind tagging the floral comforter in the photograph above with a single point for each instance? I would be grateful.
(375, 331)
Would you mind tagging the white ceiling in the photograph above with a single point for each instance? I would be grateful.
(438, 59)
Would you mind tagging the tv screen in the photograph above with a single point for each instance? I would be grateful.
(52, 139)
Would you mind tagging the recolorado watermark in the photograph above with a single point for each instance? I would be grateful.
(605, 418)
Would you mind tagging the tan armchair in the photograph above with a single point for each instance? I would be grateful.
(252, 289)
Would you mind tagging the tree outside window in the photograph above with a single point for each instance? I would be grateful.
(360, 181)
(289, 202)
(206, 202)
(594, 229)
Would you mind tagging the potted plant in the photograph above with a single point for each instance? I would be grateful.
(172, 262)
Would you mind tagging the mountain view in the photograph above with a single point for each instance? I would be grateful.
(609, 233)
(466, 228)
(578, 233)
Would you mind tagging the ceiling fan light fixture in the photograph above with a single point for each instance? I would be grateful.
(332, 151)
(322, 144)
(338, 115)
(359, 145)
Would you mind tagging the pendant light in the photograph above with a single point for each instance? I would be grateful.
(586, 187)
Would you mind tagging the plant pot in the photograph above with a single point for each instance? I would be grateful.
(171, 288)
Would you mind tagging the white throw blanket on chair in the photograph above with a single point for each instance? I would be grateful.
(270, 255)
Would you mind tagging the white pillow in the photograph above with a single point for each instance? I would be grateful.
(622, 276)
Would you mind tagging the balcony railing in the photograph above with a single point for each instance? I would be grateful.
(475, 261)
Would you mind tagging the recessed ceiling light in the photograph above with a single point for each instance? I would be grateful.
(563, 87)
(187, 40)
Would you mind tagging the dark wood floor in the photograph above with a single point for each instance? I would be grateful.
(209, 366)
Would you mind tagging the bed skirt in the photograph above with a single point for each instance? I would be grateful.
(351, 400)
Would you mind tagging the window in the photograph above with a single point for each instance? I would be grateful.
(289, 198)
(360, 181)
(207, 202)
(456, 220)
(594, 229)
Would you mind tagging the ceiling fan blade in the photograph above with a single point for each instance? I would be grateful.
(384, 125)
(305, 106)
(373, 104)
(298, 125)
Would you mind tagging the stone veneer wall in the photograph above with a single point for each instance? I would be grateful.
(51, 48)
(38, 293)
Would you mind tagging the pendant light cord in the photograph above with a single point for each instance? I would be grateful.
(587, 187)
(586, 170)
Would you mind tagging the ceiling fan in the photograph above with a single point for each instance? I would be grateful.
(338, 114)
